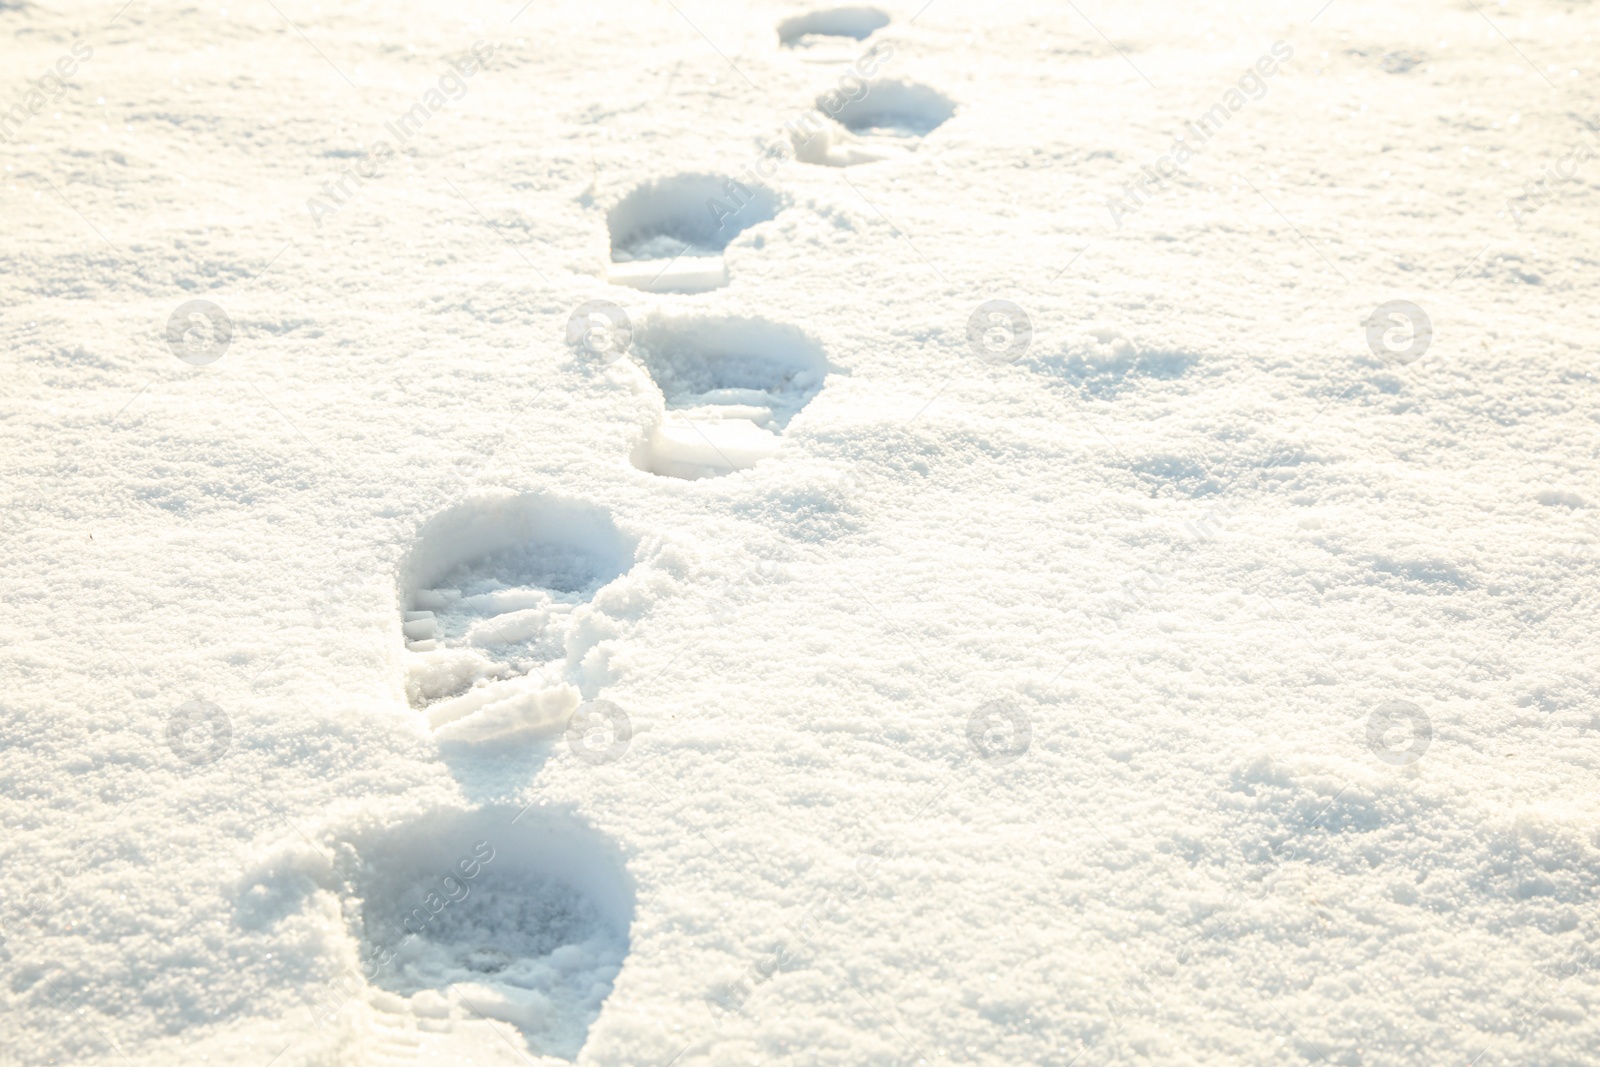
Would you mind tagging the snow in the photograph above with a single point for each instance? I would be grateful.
(978, 590)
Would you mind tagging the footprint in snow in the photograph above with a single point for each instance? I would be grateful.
(493, 593)
(481, 936)
(729, 388)
(668, 236)
(874, 120)
(855, 23)
(894, 107)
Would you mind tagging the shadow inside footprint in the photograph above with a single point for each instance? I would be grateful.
(489, 593)
(893, 107)
(668, 235)
(729, 386)
(857, 23)
(471, 920)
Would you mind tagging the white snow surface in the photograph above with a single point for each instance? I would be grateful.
(815, 571)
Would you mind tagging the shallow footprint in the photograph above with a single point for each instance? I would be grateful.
(489, 594)
(667, 236)
(730, 387)
(857, 23)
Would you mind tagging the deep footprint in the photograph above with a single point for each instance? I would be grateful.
(489, 593)
(472, 920)
(894, 108)
(668, 236)
(857, 23)
(873, 124)
(730, 387)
